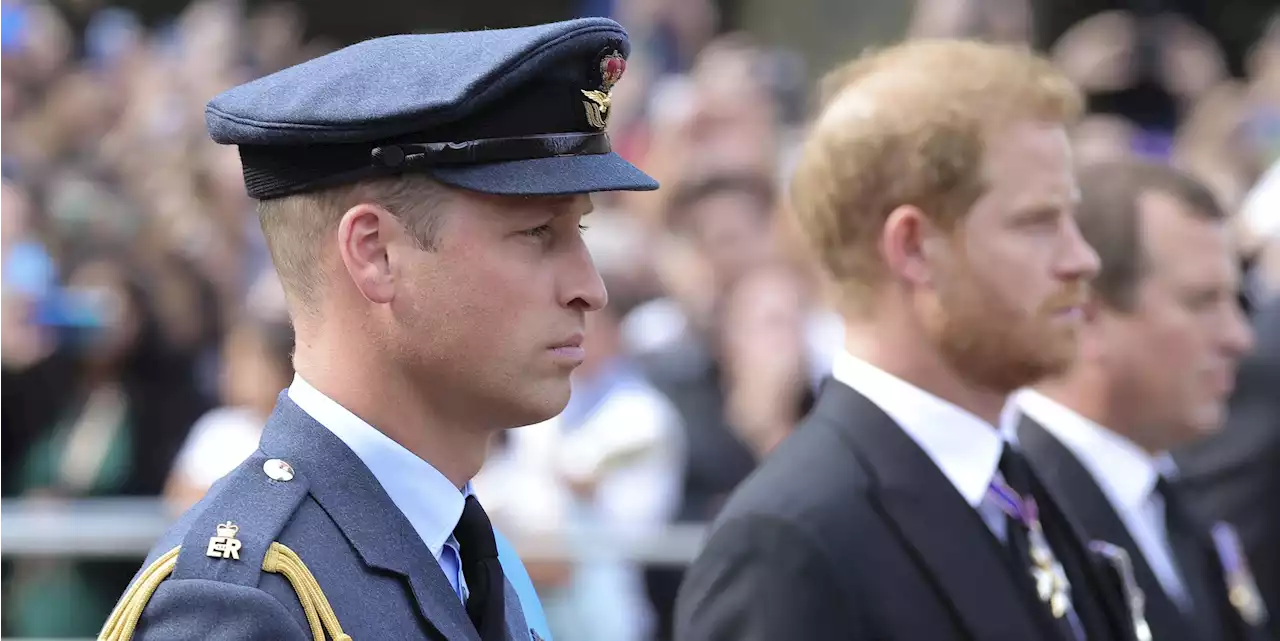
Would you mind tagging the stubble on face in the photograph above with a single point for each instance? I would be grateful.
(992, 342)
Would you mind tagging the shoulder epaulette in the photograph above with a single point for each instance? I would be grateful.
(232, 540)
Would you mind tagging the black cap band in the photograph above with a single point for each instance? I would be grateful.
(276, 171)
(429, 154)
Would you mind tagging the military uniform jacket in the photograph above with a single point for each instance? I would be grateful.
(849, 531)
(1078, 493)
(320, 551)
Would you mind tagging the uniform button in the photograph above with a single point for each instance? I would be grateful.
(278, 470)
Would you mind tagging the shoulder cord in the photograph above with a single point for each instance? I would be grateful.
(123, 621)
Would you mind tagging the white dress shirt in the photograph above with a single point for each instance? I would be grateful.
(1127, 476)
(966, 448)
(426, 498)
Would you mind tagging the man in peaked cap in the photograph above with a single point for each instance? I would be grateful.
(421, 196)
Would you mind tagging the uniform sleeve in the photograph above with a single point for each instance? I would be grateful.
(202, 610)
(761, 579)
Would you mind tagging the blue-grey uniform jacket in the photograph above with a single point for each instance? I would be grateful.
(341, 561)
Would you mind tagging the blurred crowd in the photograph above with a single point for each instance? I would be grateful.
(145, 339)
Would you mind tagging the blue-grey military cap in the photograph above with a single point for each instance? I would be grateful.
(506, 111)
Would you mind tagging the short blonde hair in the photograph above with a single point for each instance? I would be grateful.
(296, 226)
(907, 126)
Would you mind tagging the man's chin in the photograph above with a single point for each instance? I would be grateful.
(543, 406)
(1007, 368)
(1209, 421)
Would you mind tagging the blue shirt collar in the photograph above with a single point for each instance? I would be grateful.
(427, 499)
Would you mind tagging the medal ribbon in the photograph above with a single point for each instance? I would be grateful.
(1022, 510)
(1224, 538)
(1242, 590)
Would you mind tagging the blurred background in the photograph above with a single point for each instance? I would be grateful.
(144, 336)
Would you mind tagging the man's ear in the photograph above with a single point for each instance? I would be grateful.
(908, 243)
(364, 234)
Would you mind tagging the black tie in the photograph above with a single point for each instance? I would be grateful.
(1014, 469)
(1191, 557)
(482, 571)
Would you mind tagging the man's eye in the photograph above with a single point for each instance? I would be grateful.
(546, 231)
(541, 231)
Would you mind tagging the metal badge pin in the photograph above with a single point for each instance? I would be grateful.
(278, 470)
(225, 545)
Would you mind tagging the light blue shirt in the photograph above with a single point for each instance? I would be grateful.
(431, 503)
(514, 570)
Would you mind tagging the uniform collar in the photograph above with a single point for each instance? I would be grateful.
(1126, 472)
(427, 499)
(964, 447)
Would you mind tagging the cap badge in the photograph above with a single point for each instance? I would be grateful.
(598, 101)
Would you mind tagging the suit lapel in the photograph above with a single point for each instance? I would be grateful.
(947, 538)
(376, 528)
(517, 626)
(1201, 571)
(1080, 497)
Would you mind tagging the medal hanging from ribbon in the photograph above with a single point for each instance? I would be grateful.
(1120, 562)
(1242, 590)
(1051, 581)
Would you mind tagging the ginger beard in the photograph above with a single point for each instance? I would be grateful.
(994, 342)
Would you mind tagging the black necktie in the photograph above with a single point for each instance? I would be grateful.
(1014, 468)
(1191, 557)
(482, 571)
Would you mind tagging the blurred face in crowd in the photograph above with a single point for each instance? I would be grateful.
(732, 232)
(487, 323)
(1172, 356)
(731, 229)
(1009, 282)
(764, 324)
(252, 373)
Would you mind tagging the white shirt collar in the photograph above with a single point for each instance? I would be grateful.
(966, 448)
(1125, 471)
(431, 503)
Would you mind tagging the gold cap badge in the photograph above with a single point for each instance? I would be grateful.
(599, 101)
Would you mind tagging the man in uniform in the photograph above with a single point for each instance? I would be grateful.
(421, 196)
(937, 189)
(1162, 337)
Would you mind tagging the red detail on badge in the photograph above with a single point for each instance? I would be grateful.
(611, 69)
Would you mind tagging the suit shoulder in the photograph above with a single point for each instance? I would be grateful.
(226, 536)
(234, 611)
(814, 477)
(218, 552)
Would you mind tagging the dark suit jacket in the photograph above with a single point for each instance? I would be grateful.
(849, 531)
(1235, 475)
(1077, 492)
(378, 575)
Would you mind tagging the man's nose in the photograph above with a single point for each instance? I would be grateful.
(1237, 337)
(584, 289)
(1077, 260)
